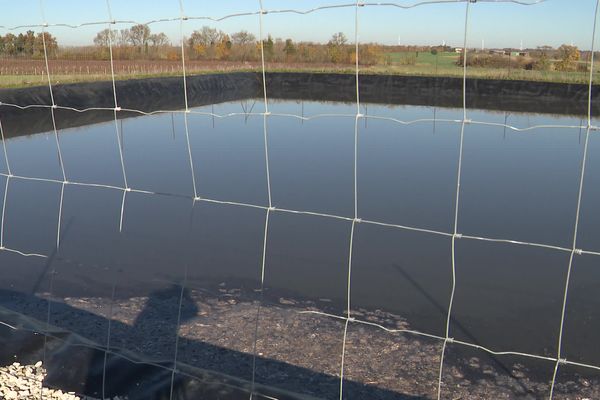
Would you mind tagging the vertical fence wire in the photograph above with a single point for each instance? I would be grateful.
(574, 251)
(5, 197)
(114, 90)
(182, 18)
(3, 138)
(355, 220)
(178, 326)
(269, 199)
(54, 107)
(455, 235)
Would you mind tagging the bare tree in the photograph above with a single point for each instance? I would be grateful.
(159, 39)
(103, 39)
(338, 39)
(124, 37)
(242, 38)
(139, 35)
(206, 37)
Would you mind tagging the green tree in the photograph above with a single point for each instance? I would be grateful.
(50, 42)
(10, 47)
(289, 49)
(269, 47)
(29, 43)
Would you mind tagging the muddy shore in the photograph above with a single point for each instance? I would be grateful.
(298, 352)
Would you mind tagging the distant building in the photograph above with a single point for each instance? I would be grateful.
(458, 49)
(517, 53)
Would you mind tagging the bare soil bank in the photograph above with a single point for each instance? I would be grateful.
(154, 94)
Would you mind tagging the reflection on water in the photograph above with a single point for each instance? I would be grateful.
(182, 280)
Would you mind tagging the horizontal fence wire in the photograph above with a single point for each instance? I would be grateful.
(269, 209)
(112, 21)
(531, 128)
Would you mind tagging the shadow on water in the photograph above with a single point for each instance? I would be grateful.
(76, 364)
(51, 257)
(466, 331)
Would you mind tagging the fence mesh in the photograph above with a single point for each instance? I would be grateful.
(270, 209)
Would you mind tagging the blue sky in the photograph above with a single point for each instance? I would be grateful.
(498, 24)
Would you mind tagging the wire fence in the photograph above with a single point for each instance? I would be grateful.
(271, 208)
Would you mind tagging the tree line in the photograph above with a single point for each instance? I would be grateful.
(212, 44)
(139, 42)
(28, 44)
(565, 58)
(209, 44)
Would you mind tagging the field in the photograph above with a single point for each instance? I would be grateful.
(26, 72)
(445, 64)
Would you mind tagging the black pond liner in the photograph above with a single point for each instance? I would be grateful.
(166, 94)
(78, 364)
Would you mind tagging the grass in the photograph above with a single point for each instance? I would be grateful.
(425, 59)
(445, 64)
(426, 64)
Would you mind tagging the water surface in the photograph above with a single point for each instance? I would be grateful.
(514, 185)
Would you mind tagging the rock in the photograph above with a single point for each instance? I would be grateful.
(518, 374)
(474, 362)
(285, 301)
(22, 382)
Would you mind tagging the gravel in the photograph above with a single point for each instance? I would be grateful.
(25, 382)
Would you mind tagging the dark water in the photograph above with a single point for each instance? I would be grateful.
(515, 185)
